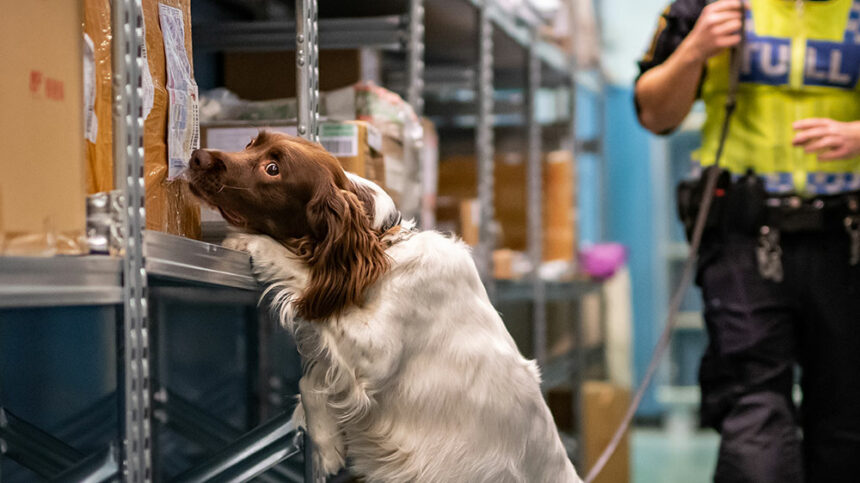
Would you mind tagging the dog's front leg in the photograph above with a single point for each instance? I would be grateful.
(273, 265)
(313, 414)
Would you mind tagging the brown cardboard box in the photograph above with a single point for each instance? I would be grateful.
(604, 408)
(42, 173)
(559, 235)
(170, 206)
(457, 181)
(469, 215)
(338, 68)
(99, 153)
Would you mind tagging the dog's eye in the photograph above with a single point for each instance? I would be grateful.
(272, 169)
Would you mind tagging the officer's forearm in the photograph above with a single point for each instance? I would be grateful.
(666, 93)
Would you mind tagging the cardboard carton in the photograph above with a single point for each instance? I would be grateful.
(604, 407)
(457, 181)
(42, 173)
(170, 206)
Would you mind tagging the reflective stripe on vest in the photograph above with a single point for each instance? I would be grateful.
(798, 63)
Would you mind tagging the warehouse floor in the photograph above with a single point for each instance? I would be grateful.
(666, 456)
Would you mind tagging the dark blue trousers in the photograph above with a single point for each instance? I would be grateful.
(760, 331)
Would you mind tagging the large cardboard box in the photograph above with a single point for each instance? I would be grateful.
(170, 206)
(42, 171)
(604, 407)
(338, 68)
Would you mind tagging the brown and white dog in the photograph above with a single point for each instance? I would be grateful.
(409, 370)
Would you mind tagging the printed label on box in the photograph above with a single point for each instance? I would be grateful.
(340, 139)
(183, 127)
(146, 76)
(91, 123)
(374, 138)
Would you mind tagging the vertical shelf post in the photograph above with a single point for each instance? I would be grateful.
(307, 69)
(307, 82)
(534, 207)
(484, 148)
(127, 28)
(415, 57)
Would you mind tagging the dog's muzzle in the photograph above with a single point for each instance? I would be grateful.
(205, 172)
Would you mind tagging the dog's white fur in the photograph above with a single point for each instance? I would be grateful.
(423, 383)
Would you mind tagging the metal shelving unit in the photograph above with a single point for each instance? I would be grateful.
(156, 266)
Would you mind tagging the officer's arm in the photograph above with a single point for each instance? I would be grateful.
(666, 92)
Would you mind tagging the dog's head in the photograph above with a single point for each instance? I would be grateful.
(297, 193)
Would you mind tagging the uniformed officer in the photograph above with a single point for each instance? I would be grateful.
(780, 263)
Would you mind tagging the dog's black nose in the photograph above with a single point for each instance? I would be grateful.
(202, 160)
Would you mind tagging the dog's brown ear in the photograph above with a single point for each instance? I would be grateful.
(345, 255)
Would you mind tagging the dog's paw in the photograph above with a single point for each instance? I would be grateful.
(238, 241)
(329, 455)
(299, 420)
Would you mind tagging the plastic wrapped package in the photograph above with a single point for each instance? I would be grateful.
(98, 131)
(169, 109)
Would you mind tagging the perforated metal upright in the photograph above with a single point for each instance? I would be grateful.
(307, 69)
(534, 208)
(127, 28)
(415, 57)
(484, 148)
(307, 82)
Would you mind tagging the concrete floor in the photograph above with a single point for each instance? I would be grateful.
(674, 455)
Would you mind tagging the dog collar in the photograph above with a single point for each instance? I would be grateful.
(393, 221)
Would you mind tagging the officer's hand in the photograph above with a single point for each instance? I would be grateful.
(717, 28)
(831, 139)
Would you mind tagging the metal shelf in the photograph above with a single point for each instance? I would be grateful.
(521, 290)
(60, 281)
(181, 260)
(386, 33)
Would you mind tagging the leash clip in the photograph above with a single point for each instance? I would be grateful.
(852, 227)
(769, 254)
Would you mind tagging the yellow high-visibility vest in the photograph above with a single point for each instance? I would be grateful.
(801, 60)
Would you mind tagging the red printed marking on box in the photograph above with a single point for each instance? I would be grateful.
(54, 89)
(35, 81)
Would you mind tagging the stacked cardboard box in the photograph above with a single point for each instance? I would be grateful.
(42, 173)
(170, 206)
(458, 188)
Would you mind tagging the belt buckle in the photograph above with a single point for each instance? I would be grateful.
(852, 227)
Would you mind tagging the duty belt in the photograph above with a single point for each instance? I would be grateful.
(793, 214)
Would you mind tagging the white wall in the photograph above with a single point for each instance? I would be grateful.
(627, 29)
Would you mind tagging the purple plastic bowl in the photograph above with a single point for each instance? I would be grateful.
(603, 259)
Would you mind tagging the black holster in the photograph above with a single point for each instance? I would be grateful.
(737, 206)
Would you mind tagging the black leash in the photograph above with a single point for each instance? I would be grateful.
(711, 176)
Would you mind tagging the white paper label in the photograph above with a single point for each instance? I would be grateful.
(236, 138)
(146, 77)
(340, 146)
(374, 138)
(91, 122)
(340, 139)
(183, 126)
